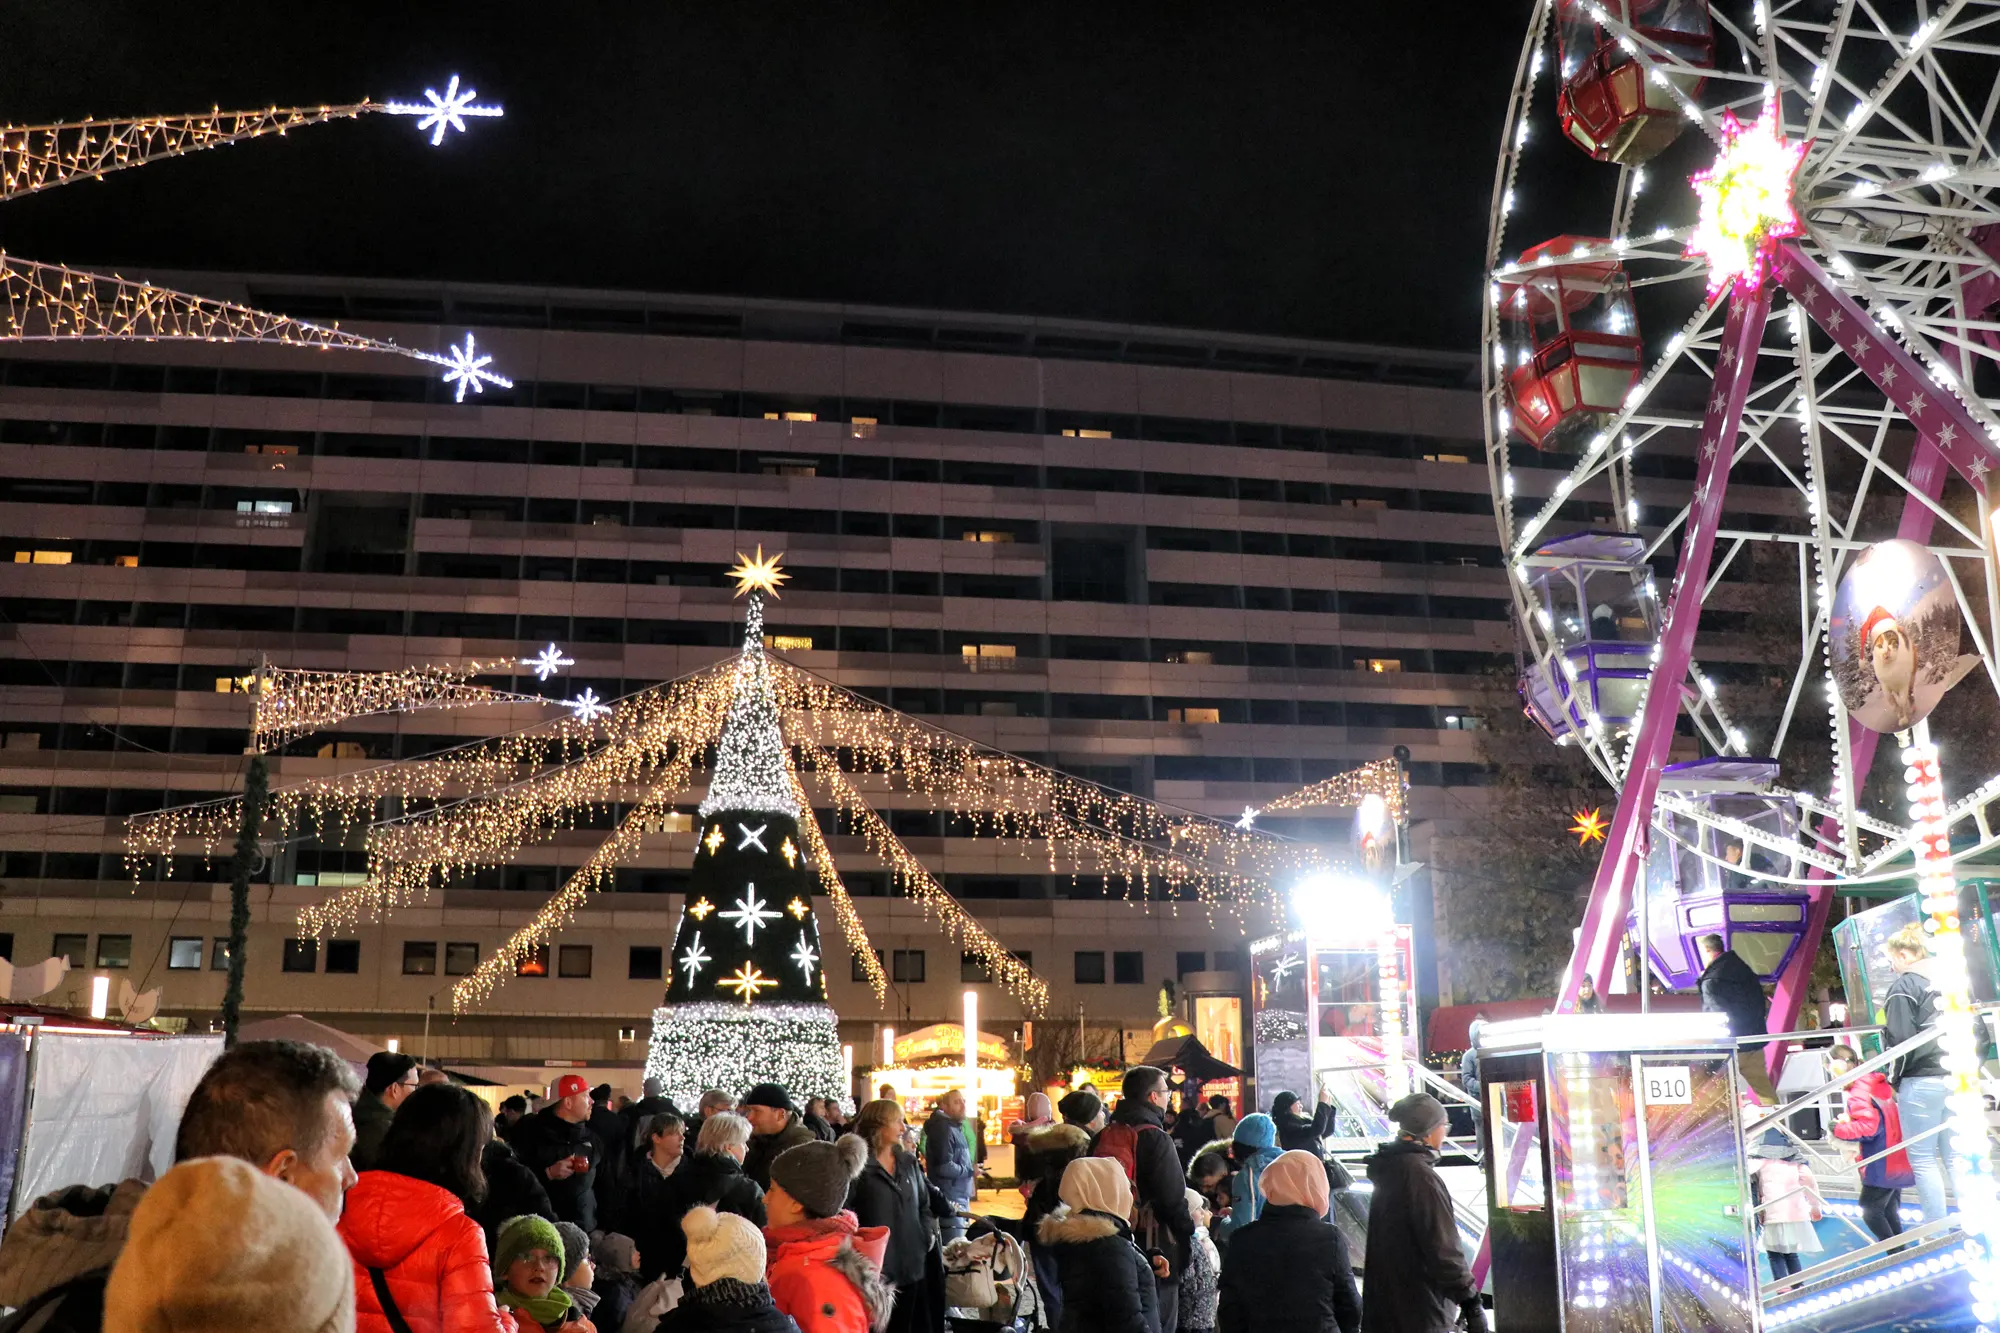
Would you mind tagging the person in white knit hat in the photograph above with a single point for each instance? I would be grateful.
(726, 1262)
(218, 1245)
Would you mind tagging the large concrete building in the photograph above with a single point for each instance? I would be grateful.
(1205, 568)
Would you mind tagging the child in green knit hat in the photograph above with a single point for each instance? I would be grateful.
(528, 1266)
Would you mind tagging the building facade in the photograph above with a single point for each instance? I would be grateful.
(1203, 568)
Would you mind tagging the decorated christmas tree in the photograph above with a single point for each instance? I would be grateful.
(747, 999)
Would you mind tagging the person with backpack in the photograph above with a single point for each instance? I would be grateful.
(1874, 1122)
(1108, 1285)
(1921, 1078)
(1137, 1140)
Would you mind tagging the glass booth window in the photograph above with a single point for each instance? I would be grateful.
(1514, 1111)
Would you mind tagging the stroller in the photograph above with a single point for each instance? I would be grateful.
(990, 1285)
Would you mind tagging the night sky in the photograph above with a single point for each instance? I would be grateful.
(1319, 169)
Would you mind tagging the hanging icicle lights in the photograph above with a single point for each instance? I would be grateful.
(294, 703)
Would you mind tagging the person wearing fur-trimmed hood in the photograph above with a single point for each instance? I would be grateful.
(1107, 1284)
(825, 1267)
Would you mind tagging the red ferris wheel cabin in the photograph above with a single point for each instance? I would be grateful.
(1573, 341)
(1609, 106)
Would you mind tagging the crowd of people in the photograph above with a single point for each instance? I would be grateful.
(305, 1198)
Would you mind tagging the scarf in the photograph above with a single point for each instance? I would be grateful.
(584, 1299)
(544, 1310)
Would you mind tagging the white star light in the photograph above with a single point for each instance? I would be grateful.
(465, 368)
(805, 958)
(750, 913)
(547, 662)
(587, 706)
(1248, 818)
(443, 113)
(751, 837)
(1287, 965)
(694, 957)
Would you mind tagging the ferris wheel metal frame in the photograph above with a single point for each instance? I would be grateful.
(1902, 165)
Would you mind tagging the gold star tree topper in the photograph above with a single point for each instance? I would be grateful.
(758, 573)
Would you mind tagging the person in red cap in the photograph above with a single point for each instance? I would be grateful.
(556, 1143)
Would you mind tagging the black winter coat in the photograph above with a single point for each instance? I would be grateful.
(545, 1138)
(1108, 1286)
(1288, 1272)
(727, 1306)
(764, 1149)
(901, 1203)
(1728, 986)
(716, 1180)
(1298, 1134)
(653, 1216)
(512, 1190)
(1909, 1008)
(1158, 1183)
(1416, 1277)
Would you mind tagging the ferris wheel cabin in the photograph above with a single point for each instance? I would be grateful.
(1608, 105)
(1712, 869)
(1573, 341)
(1594, 597)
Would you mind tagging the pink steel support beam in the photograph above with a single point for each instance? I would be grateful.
(1611, 893)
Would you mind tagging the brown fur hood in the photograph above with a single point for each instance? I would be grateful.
(1069, 1139)
(1063, 1227)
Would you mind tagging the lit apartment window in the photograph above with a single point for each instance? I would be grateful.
(420, 958)
(41, 557)
(533, 962)
(127, 562)
(791, 643)
(263, 506)
(184, 953)
(1192, 657)
(1194, 715)
(114, 951)
(234, 684)
(461, 959)
(1446, 458)
(972, 535)
(1381, 665)
(1088, 434)
(673, 821)
(1464, 722)
(218, 957)
(792, 416)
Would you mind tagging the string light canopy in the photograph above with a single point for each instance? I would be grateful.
(50, 302)
(767, 731)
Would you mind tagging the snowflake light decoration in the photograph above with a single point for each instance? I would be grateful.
(547, 662)
(440, 114)
(750, 913)
(588, 707)
(1248, 819)
(746, 981)
(466, 367)
(694, 957)
(806, 957)
(1746, 201)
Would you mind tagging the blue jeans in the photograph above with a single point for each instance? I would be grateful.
(1921, 1101)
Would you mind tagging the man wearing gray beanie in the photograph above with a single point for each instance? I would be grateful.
(1416, 1279)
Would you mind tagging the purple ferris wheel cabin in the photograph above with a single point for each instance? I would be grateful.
(1594, 599)
(1704, 877)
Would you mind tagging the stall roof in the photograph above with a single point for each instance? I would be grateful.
(1447, 1026)
(63, 1018)
(1188, 1055)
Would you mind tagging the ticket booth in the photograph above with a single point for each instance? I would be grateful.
(1616, 1199)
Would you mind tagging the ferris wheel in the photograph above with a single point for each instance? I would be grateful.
(1756, 242)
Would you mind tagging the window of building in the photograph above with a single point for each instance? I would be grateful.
(1194, 715)
(1229, 960)
(184, 953)
(343, 956)
(1464, 722)
(420, 958)
(76, 948)
(301, 955)
(533, 963)
(218, 958)
(645, 964)
(1090, 967)
(857, 969)
(1025, 957)
(1128, 967)
(461, 958)
(7, 947)
(907, 965)
(114, 951)
(41, 557)
(971, 967)
(1379, 665)
(1190, 960)
(263, 506)
(790, 643)
(573, 960)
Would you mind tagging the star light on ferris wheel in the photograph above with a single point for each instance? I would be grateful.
(547, 662)
(466, 368)
(439, 114)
